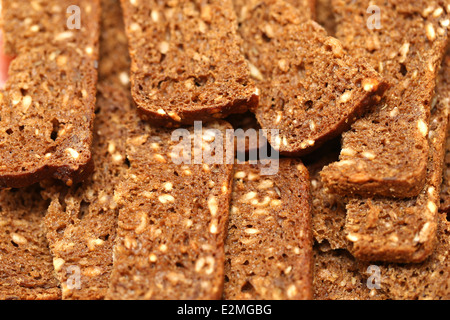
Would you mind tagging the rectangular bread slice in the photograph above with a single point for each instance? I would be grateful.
(82, 220)
(269, 243)
(311, 90)
(172, 215)
(47, 105)
(386, 152)
(404, 230)
(26, 264)
(186, 61)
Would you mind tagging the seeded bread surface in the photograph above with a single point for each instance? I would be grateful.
(310, 89)
(82, 220)
(172, 218)
(26, 264)
(47, 105)
(404, 230)
(186, 62)
(386, 152)
(269, 244)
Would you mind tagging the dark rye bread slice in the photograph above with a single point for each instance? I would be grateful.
(172, 217)
(428, 280)
(404, 230)
(26, 264)
(269, 244)
(386, 152)
(310, 89)
(47, 105)
(338, 276)
(186, 62)
(327, 209)
(82, 221)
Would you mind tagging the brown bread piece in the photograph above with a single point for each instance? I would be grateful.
(47, 105)
(26, 267)
(386, 152)
(328, 209)
(82, 220)
(186, 62)
(311, 93)
(269, 244)
(404, 230)
(337, 276)
(429, 280)
(172, 217)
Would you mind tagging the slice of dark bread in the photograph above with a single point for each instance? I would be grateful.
(172, 217)
(386, 152)
(269, 245)
(82, 220)
(404, 230)
(186, 62)
(310, 89)
(47, 105)
(26, 264)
